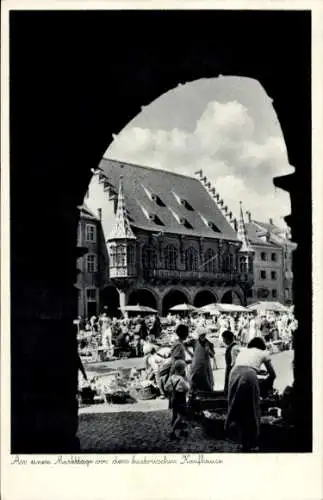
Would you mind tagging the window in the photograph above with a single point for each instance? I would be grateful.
(113, 256)
(226, 263)
(274, 294)
(210, 261)
(274, 257)
(91, 294)
(263, 256)
(170, 257)
(131, 255)
(156, 220)
(213, 227)
(90, 232)
(263, 275)
(187, 205)
(191, 259)
(273, 275)
(185, 223)
(158, 200)
(120, 256)
(91, 263)
(243, 265)
(149, 258)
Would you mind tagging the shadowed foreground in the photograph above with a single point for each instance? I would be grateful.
(138, 432)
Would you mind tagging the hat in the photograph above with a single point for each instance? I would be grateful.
(201, 331)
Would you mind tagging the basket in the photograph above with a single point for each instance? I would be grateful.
(147, 393)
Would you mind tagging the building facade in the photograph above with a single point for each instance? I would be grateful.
(273, 277)
(92, 270)
(170, 240)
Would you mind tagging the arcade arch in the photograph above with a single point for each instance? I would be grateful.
(144, 297)
(173, 298)
(204, 297)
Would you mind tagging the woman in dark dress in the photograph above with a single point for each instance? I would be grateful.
(201, 370)
(231, 353)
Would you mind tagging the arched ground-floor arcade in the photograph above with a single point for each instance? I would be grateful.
(164, 297)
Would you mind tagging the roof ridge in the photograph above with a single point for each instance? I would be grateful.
(149, 167)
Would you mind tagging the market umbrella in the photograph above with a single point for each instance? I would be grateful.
(209, 309)
(215, 308)
(268, 306)
(138, 309)
(231, 308)
(183, 308)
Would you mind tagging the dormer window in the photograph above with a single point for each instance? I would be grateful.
(183, 202)
(213, 227)
(154, 197)
(186, 204)
(210, 224)
(185, 223)
(154, 218)
(158, 200)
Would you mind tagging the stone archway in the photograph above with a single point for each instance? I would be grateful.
(55, 172)
(204, 297)
(142, 296)
(173, 298)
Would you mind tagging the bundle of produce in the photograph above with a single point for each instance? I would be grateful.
(147, 390)
(120, 396)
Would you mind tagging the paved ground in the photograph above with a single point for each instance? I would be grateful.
(143, 427)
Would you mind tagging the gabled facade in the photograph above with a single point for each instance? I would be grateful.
(273, 277)
(169, 240)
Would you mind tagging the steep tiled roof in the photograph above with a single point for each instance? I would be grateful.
(254, 233)
(159, 200)
(268, 227)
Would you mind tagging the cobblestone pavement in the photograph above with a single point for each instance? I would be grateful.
(142, 432)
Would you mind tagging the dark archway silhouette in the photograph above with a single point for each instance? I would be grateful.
(203, 298)
(173, 298)
(231, 297)
(143, 297)
(110, 301)
(73, 102)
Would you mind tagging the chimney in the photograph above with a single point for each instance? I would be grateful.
(100, 214)
(249, 216)
(271, 222)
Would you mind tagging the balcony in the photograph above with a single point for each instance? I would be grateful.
(178, 275)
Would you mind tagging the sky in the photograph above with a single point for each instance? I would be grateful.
(225, 126)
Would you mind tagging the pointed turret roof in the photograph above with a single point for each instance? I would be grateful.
(242, 233)
(122, 229)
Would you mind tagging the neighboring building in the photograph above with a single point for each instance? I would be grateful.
(273, 277)
(172, 241)
(91, 264)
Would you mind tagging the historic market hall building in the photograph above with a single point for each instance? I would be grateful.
(170, 240)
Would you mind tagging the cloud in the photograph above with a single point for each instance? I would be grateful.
(223, 143)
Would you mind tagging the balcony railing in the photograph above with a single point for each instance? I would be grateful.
(165, 274)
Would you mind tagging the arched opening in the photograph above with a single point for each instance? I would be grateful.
(143, 297)
(203, 298)
(110, 301)
(52, 284)
(173, 298)
(231, 297)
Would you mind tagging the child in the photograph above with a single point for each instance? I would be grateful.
(177, 388)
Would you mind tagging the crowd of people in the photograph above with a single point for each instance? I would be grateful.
(112, 335)
(184, 366)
